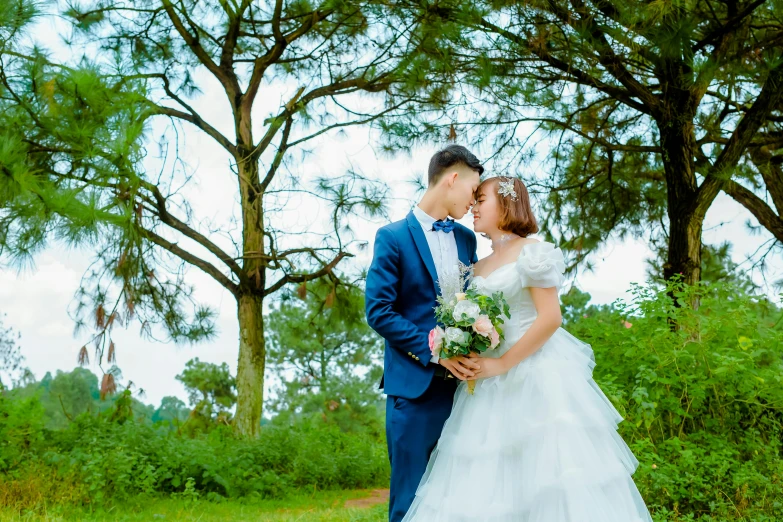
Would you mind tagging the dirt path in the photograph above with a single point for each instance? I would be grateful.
(377, 496)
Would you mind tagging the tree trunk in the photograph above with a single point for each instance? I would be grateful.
(251, 364)
(685, 227)
(684, 248)
(252, 351)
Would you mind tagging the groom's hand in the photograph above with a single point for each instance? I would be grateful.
(462, 368)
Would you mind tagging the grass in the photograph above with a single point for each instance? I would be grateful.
(329, 506)
(319, 507)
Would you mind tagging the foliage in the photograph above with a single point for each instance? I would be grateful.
(326, 357)
(11, 359)
(172, 411)
(69, 394)
(211, 388)
(108, 458)
(75, 134)
(63, 444)
(21, 429)
(639, 113)
(703, 402)
(717, 265)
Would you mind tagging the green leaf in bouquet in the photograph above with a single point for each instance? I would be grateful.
(480, 343)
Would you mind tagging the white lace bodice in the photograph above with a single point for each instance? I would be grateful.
(539, 265)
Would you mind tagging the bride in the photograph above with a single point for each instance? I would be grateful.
(537, 441)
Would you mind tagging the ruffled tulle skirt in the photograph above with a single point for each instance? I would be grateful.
(538, 444)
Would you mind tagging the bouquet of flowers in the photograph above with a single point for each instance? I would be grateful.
(468, 322)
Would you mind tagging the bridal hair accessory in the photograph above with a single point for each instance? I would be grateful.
(506, 188)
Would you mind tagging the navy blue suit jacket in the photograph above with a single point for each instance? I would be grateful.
(400, 302)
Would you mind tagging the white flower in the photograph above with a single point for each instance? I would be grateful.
(466, 308)
(456, 336)
(454, 282)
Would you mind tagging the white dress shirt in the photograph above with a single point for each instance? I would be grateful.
(443, 247)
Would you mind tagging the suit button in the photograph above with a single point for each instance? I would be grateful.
(409, 353)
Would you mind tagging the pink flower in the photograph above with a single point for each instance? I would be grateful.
(494, 339)
(483, 326)
(436, 339)
(627, 324)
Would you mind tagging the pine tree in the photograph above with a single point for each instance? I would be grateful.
(650, 109)
(74, 137)
(328, 358)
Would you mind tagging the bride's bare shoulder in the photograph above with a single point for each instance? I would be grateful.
(522, 242)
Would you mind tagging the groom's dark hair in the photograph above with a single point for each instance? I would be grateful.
(448, 157)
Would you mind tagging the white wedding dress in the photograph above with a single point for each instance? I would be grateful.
(539, 443)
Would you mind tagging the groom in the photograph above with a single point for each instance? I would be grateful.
(402, 286)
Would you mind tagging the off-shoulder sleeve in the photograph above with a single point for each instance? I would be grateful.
(541, 265)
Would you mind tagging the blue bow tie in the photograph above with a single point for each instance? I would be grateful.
(443, 226)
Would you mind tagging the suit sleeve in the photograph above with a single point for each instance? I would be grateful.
(380, 296)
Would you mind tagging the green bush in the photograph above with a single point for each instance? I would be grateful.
(700, 390)
(702, 395)
(107, 460)
(21, 429)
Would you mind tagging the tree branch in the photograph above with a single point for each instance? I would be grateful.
(720, 172)
(196, 120)
(609, 59)
(578, 75)
(293, 105)
(771, 173)
(348, 124)
(263, 62)
(600, 141)
(281, 149)
(228, 80)
(730, 24)
(232, 35)
(186, 256)
(301, 278)
(756, 206)
(180, 226)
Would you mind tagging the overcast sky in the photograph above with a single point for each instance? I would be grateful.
(36, 301)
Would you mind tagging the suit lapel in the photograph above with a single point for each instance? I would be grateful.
(462, 248)
(423, 247)
(462, 251)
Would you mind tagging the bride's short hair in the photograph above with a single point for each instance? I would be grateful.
(516, 214)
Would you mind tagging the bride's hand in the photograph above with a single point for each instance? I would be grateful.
(490, 367)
